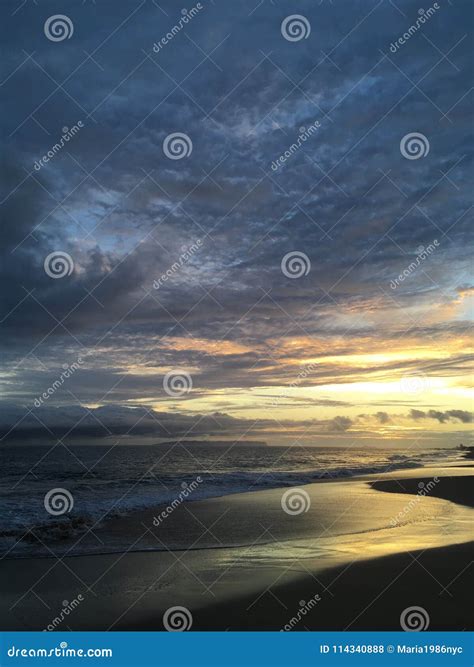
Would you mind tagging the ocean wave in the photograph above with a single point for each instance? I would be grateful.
(25, 530)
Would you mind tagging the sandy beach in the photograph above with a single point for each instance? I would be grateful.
(364, 550)
(236, 315)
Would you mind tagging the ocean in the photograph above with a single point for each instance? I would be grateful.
(51, 494)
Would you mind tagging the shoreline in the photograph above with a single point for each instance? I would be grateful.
(128, 522)
(247, 553)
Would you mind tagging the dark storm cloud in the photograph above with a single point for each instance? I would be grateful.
(50, 423)
(443, 416)
(383, 417)
(124, 211)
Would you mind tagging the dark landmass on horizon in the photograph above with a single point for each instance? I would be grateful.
(213, 443)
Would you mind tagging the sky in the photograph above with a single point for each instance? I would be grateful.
(167, 274)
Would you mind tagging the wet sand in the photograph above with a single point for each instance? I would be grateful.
(369, 548)
(366, 595)
(449, 488)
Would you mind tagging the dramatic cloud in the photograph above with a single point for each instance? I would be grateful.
(113, 421)
(176, 264)
(450, 415)
(117, 422)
